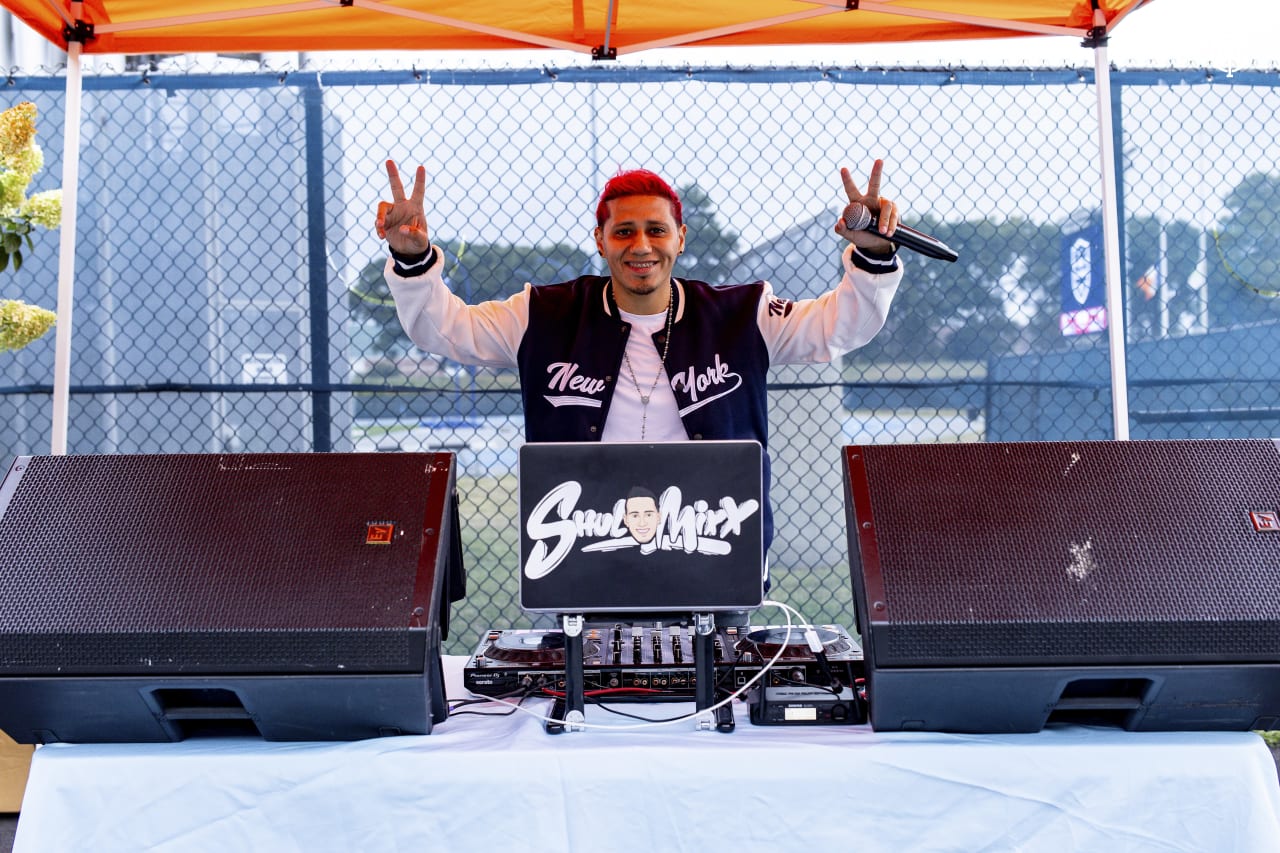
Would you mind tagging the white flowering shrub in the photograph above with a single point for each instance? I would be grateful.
(20, 160)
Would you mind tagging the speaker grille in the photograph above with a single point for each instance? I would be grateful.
(1088, 551)
(198, 562)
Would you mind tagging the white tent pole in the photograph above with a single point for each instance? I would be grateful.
(1111, 246)
(66, 253)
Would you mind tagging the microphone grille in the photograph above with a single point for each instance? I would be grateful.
(856, 216)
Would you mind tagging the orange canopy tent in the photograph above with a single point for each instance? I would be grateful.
(603, 29)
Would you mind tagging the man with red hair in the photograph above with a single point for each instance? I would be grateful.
(640, 355)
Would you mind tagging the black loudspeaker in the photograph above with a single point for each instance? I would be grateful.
(288, 596)
(1002, 587)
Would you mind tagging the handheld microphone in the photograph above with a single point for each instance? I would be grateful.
(858, 218)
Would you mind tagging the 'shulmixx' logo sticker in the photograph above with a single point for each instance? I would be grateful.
(639, 519)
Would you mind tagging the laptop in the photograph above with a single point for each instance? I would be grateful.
(641, 528)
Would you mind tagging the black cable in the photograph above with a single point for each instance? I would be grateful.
(836, 687)
(724, 672)
(603, 707)
(782, 679)
(524, 694)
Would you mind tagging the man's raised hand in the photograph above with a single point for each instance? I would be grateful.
(885, 211)
(402, 222)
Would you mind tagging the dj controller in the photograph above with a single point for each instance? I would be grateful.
(656, 663)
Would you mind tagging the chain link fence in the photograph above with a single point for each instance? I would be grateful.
(229, 293)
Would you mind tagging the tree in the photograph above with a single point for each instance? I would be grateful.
(1181, 255)
(481, 271)
(476, 272)
(369, 299)
(709, 249)
(1244, 258)
(1002, 293)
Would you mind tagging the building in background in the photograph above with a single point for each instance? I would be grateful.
(23, 50)
(208, 276)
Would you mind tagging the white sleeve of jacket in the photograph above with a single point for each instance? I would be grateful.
(437, 321)
(837, 322)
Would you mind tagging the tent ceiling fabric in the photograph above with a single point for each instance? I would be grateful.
(585, 26)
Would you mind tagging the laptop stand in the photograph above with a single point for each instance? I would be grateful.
(568, 712)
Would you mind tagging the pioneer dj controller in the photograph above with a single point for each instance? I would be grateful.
(652, 662)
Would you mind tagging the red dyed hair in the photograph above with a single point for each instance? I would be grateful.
(637, 182)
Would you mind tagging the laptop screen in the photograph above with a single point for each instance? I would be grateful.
(635, 527)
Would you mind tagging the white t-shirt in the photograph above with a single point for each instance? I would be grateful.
(661, 418)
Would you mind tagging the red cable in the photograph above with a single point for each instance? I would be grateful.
(606, 691)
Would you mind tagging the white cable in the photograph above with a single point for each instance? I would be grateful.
(787, 611)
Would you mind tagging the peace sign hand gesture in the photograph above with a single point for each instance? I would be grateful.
(884, 210)
(402, 222)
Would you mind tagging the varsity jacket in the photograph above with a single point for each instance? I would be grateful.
(567, 340)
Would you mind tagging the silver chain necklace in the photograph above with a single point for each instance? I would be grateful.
(662, 363)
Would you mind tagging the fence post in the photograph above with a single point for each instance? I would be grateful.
(317, 268)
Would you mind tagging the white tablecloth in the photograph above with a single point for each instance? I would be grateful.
(501, 783)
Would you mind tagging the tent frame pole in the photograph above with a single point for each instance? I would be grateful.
(1111, 245)
(66, 253)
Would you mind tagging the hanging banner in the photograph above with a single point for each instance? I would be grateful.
(1084, 297)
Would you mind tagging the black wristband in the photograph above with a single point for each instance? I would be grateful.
(409, 265)
(874, 262)
(878, 256)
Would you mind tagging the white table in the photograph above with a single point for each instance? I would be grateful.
(501, 783)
